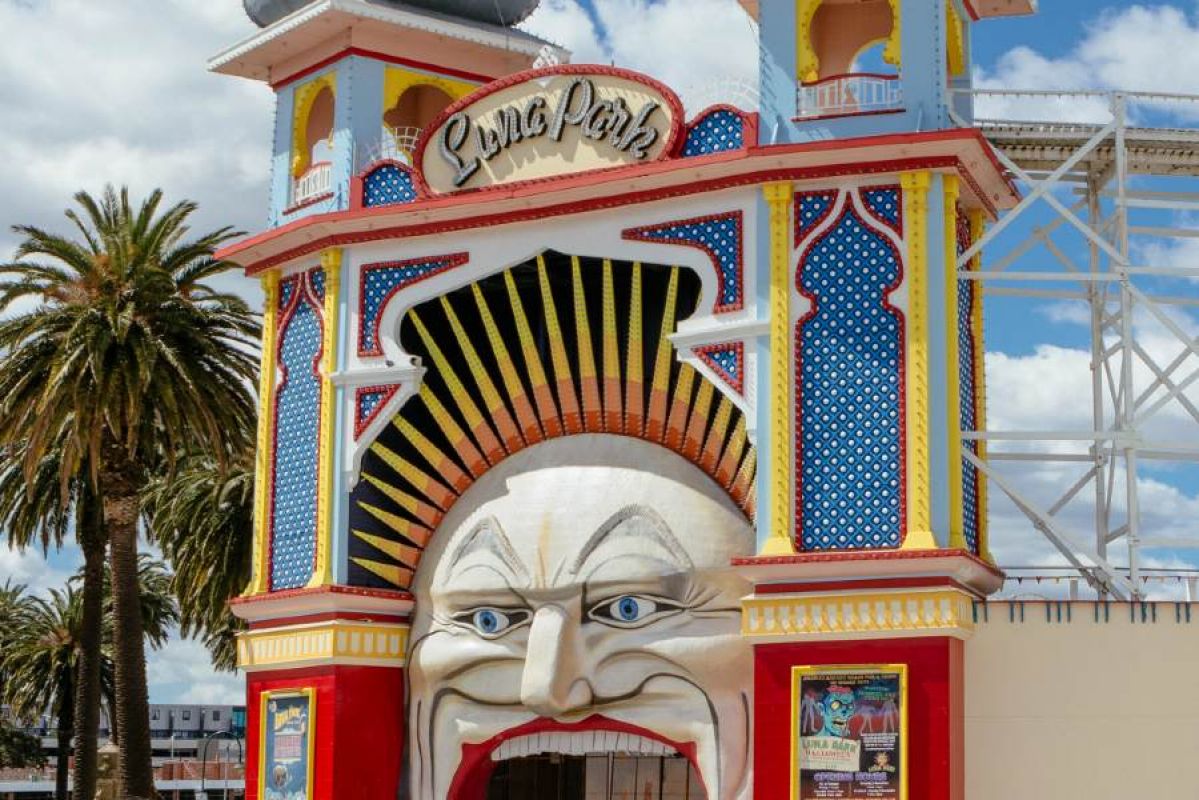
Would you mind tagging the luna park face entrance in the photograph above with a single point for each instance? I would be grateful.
(556, 776)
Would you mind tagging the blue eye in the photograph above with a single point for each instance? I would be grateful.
(492, 622)
(488, 621)
(631, 611)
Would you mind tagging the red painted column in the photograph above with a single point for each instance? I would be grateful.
(345, 648)
(936, 752)
(358, 728)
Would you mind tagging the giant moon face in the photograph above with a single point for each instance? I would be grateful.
(578, 598)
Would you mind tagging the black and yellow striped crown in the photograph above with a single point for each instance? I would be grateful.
(554, 347)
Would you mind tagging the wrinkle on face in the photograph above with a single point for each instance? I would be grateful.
(563, 543)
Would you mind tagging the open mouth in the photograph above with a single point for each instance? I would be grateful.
(581, 743)
(588, 740)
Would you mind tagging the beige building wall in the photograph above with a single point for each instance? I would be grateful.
(1079, 700)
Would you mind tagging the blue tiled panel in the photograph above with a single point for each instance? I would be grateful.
(726, 360)
(811, 209)
(968, 395)
(380, 281)
(719, 236)
(717, 132)
(850, 376)
(297, 436)
(388, 185)
(885, 204)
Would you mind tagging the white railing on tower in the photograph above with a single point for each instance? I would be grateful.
(317, 180)
(405, 139)
(857, 93)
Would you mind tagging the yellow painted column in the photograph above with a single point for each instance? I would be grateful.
(953, 383)
(322, 572)
(781, 541)
(260, 579)
(919, 533)
(977, 227)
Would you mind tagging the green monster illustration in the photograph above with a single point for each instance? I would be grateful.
(837, 709)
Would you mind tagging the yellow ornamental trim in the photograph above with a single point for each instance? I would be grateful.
(259, 582)
(957, 527)
(893, 52)
(851, 615)
(305, 98)
(398, 80)
(781, 540)
(334, 642)
(919, 534)
(807, 62)
(322, 573)
(955, 40)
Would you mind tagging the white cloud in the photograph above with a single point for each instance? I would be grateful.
(1122, 49)
(118, 93)
(181, 673)
(35, 571)
(687, 44)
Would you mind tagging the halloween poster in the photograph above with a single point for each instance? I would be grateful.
(849, 734)
(288, 735)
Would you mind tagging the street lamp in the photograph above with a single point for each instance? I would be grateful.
(241, 758)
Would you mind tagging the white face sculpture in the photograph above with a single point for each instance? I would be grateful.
(582, 586)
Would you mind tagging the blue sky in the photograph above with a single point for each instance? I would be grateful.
(124, 93)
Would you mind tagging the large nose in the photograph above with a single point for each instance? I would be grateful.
(553, 682)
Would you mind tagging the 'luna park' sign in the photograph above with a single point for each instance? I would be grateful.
(548, 123)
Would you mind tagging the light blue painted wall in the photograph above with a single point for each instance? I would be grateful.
(924, 77)
(764, 444)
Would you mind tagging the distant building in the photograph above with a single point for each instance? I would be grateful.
(177, 734)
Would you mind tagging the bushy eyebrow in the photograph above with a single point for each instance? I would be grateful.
(657, 529)
(488, 537)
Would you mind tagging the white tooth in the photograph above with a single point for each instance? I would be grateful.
(521, 747)
(577, 745)
(622, 743)
(610, 739)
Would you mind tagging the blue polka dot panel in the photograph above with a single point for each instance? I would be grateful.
(287, 289)
(727, 361)
(885, 203)
(297, 436)
(718, 131)
(368, 402)
(388, 185)
(720, 236)
(380, 282)
(968, 353)
(849, 396)
(811, 209)
(316, 279)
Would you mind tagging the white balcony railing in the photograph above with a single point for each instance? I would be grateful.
(316, 181)
(405, 140)
(844, 95)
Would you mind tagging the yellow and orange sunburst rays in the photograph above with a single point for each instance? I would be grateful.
(528, 383)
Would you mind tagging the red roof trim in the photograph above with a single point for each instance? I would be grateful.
(448, 72)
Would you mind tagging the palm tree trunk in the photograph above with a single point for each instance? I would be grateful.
(66, 726)
(90, 533)
(129, 651)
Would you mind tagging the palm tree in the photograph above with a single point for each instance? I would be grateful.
(39, 664)
(36, 509)
(42, 656)
(202, 518)
(129, 358)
